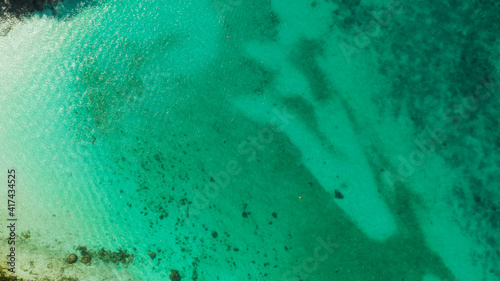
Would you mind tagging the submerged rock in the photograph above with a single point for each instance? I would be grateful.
(86, 259)
(174, 275)
(72, 258)
(339, 194)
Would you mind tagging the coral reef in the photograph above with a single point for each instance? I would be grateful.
(72, 258)
(152, 255)
(121, 256)
(174, 275)
(86, 259)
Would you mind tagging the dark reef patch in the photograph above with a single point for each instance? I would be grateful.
(304, 58)
(117, 257)
(120, 256)
(441, 59)
(20, 8)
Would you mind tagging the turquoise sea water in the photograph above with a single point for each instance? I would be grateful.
(253, 140)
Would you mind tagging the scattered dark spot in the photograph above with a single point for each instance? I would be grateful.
(275, 215)
(244, 214)
(477, 198)
(338, 194)
(215, 234)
